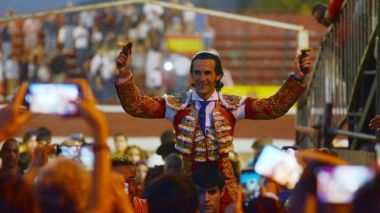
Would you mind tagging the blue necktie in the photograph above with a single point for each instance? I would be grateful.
(202, 116)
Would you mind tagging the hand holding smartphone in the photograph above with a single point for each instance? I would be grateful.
(83, 154)
(69, 151)
(302, 53)
(126, 50)
(251, 183)
(282, 167)
(338, 184)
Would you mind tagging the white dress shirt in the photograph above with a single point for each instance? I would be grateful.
(237, 113)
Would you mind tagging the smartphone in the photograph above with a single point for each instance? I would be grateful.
(290, 149)
(87, 156)
(250, 181)
(69, 151)
(49, 98)
(278, 165)
(337, 185)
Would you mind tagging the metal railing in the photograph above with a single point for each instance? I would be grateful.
(339, 65)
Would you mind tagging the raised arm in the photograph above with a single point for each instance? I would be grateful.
(14, 115)
(133, 103)
(104, 197)
(278, 104)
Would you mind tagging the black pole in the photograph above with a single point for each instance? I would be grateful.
(377, 48)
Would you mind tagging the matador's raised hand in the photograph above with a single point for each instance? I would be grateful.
(124, 60)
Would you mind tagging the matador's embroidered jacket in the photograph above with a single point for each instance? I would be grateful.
(197, 148)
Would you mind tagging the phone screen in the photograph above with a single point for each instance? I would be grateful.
(71, 151)
(338, 184)
(87, 156)
(282, 167)
(250, 182)
(48, 98)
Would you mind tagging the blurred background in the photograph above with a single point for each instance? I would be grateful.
(59, 45)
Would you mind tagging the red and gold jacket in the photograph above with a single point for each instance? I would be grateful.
(215, 146)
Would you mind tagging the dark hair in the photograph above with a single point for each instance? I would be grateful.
(167, 136)
(9, 140)
(43, 134)
(121, 161)
(171, 193)
(218, 65)
(318, 8)
(166, 149)
(208, 176)
(28, 135)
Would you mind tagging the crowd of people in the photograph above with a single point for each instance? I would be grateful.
(34, 178)
(56, 47)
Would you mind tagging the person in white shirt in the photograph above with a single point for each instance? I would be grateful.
(81, 37)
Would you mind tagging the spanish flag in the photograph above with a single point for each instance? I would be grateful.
(186, 44)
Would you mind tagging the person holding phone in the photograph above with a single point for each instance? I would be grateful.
(204, 118)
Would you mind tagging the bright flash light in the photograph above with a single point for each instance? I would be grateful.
(168, 66)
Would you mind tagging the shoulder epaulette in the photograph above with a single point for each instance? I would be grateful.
(231, 101)
(178, 102)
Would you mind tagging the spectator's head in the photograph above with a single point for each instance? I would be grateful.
(206, 61)
(17, 196)
(126, 168)
(43, 136)
(141, 171)
(173, 163)
(30, 140)
(259, 143)
(63, 186)
(134, 153)
(167, 136)
(209, 181)
(166, 149)
(319, 13)
(9, 154)
(120, 142)
(171, 193)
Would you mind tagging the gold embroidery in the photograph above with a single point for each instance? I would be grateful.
(231, 101)
(276, 105)
(139, 106)
(230, 183)
(178, 102)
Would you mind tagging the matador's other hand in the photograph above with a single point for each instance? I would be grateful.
(374, 123)
(303, 63)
